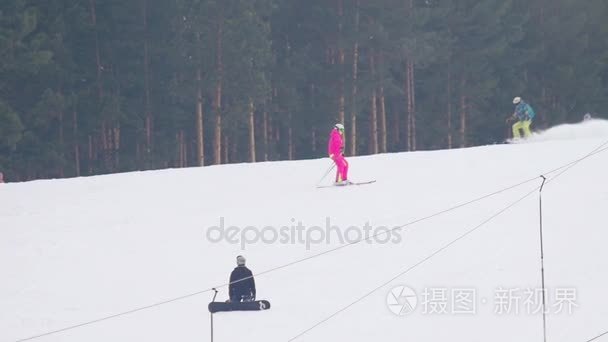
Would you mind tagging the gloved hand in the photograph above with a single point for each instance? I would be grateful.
(331, 156)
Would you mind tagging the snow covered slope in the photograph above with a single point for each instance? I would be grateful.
(76, 250)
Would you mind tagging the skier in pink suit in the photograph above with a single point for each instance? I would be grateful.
(335, 149)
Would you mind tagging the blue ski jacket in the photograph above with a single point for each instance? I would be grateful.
(524, 111)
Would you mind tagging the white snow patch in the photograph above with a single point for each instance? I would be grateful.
(76, 250)
(590, 129)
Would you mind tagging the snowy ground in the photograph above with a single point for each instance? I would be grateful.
(77, 250)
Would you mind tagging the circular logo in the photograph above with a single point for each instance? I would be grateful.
(401, 300)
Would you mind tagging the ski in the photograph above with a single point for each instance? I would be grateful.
(353, 183)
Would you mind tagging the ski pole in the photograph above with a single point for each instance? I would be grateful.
(326, 173)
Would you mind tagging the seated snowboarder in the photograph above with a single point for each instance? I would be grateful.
(242, 284)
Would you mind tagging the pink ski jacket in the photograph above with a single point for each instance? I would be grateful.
(336, 143)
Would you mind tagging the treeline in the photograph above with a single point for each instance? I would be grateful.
(100, 86)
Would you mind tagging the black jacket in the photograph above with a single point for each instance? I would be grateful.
(244, 287)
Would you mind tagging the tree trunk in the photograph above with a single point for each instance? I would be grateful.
(413, 95)
(373, 146)
(374, 124)
(184, 149)
(396, 131)
(277, 138)
(61, 145)
(90, 155)
(104, 145)
(449, 105)
(107, 146)
(200, 148)
(341, 111)
(116, 153)
(218, 134)
(413, 89)
(290, 147)
(383, 134)
(226, 148)
(97, 54)
(543, 48)
(463, 113)
(411, 105)
(148, 108)
(543, 100)
(265, 133)
(218, 92)
(353, 113)
(186, 144)
(313, 131)
(251, 132)
(76, 145)
(408, 98)
(271, 141)
(234, 144)
(178, 151)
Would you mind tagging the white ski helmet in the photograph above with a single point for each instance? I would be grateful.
(240, 260)
(517, 100)
(339, 126)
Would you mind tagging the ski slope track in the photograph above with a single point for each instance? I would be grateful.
(77, 250)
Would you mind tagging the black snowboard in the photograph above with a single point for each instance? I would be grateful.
(239, 306)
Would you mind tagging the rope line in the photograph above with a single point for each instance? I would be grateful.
(595, 151)
(598, 336)
(113, 316)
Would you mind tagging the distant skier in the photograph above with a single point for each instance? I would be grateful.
(243, 290)
(335, 149)
(524, 115)
(1, 178)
